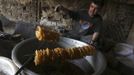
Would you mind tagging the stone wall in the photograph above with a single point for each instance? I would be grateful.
(118, 15)
(15, 11)
(118, 20)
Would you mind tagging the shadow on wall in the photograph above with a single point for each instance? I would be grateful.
(25, 29)
(8, 30)
(8, 26)
(130, 39)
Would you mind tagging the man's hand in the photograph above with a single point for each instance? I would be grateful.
(95, 36)
(93, 43)
(58, 8)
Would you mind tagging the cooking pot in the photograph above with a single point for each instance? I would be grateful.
(27, 47)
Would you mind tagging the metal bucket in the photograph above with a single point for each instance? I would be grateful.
(28, 46)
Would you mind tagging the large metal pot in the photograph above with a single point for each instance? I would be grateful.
(28, 47)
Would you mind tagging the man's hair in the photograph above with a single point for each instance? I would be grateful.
(100, 3)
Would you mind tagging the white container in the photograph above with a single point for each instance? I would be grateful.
(7, 67)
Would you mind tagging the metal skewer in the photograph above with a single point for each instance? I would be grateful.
(28, 61)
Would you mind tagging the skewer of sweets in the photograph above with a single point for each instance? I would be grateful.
(50, 55)
(43, 33)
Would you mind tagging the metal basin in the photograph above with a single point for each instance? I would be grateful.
(27, 47)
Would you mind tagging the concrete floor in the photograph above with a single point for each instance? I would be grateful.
(117, 68)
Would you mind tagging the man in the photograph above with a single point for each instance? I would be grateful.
(96, 19)
(87, 29)
(90, 22)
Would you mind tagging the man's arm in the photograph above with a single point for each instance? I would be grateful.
(97, 30)
(73, 14)
(95, 36)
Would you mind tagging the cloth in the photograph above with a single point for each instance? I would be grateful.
(125, 54)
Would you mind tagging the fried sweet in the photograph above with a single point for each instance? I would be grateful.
(42, 33)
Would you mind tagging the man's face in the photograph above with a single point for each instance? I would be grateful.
(93, 9)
